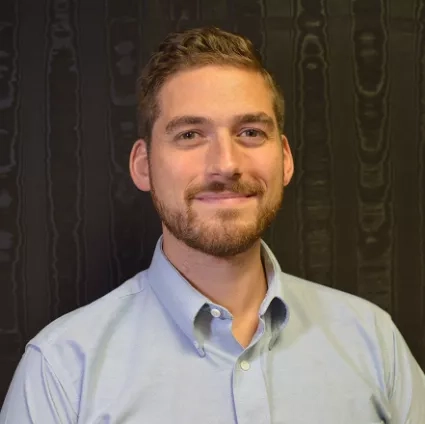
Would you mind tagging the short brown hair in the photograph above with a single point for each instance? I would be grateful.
(190, 49)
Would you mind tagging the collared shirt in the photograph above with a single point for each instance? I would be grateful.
(157, 351)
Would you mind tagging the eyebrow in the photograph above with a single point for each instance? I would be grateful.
(180, 121)
(256, 118)
(247, 118)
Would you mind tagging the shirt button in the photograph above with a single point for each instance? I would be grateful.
(245, 365)
(215, 313)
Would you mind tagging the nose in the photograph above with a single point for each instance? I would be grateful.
(223, 157)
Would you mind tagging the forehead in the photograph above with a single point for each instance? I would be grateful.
(216, 92)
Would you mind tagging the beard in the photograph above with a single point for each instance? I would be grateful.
(223, 235)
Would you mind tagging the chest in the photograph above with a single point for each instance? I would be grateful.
(276, 387)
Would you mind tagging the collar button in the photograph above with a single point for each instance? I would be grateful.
(216, 313)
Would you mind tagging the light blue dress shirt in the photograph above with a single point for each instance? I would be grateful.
(156, 351)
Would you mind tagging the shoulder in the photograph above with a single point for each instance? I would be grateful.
(73, 344)
(89, 322)
(357, 323)
(328, 302)
(343, 325)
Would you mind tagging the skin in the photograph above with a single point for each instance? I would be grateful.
(217, 181)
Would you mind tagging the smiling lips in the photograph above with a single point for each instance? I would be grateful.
(223, 197)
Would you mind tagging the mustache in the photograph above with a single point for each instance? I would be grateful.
(238, 187)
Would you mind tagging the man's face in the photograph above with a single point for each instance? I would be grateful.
(218, 163)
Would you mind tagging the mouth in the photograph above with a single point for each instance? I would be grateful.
(224, 198)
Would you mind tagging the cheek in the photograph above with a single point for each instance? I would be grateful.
(271, 170)
(170, 177)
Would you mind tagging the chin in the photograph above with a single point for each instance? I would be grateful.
(222, 248)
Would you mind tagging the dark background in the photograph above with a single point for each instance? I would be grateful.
(72, 227)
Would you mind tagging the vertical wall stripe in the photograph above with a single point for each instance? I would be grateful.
(315, 162)
(375, 248)
(64, 159)
(279, 62)
(96, 148)
(343, 135)
(123, 58)
(420, 107)
(12, 300)
(32, 51)
(403, 132)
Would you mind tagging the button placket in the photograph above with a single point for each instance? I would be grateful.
(250, 388)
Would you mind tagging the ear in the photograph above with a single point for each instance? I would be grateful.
(288, 161)
(139, 165)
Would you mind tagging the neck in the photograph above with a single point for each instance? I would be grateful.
(237, 283)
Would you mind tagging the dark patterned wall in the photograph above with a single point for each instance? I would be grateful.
(72, 226)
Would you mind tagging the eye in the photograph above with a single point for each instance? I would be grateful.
(188, 135)
(253, 136)
(252, 132)
(189, 139)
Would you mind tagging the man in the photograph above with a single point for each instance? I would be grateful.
(213, 331)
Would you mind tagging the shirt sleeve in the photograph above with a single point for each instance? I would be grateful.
(36, 395)
(407, 394)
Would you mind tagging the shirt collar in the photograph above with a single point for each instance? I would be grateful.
(183, 302)
(274, 301)
(178, 297)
